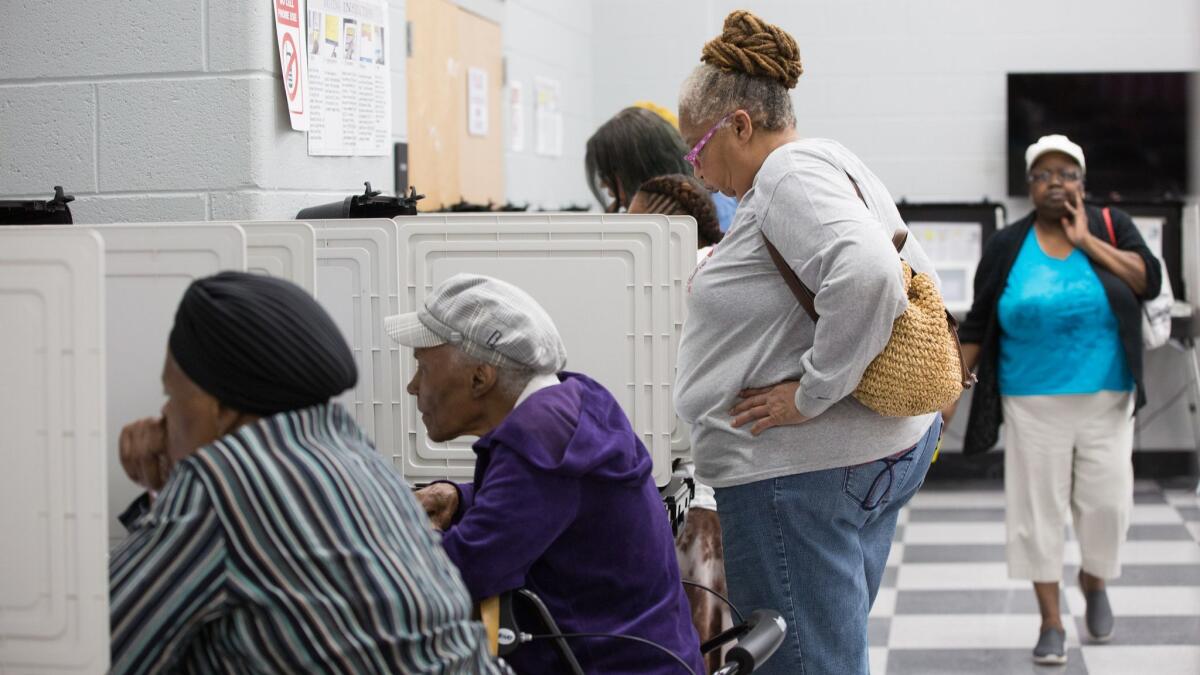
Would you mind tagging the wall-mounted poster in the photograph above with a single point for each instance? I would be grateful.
(547, 116)
(349, 86)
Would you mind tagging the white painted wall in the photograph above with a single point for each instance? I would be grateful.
(551, 38)
(152, 111)
(916, 88)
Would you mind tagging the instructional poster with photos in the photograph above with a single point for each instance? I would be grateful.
(349, 86)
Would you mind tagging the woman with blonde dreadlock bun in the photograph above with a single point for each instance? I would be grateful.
(809, 482)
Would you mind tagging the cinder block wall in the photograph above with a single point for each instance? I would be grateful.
(164, 111)
(917, 89)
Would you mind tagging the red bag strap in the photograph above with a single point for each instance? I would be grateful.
(1112, 234)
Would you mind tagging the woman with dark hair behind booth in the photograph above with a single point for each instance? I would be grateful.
(638, 144)
(626, 151)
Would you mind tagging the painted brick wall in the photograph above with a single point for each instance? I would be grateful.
(551, 38)
(164, 111)
(916, 88)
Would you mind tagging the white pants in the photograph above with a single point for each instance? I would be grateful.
(1067, 451)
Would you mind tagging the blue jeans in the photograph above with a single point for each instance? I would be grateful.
(813, 547)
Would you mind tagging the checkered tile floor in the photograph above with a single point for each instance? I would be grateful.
(948, 606)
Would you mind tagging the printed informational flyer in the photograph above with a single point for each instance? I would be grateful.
(349, 86)
(955, 249)
(547, 117)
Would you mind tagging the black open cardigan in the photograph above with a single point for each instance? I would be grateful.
(982, 325)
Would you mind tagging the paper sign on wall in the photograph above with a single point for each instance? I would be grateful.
(289, 35)
(516, 117)
(547, 116)
(477, 102)
(349, 85)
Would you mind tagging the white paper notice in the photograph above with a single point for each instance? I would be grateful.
(547, 116)
(955, 249)
(477, 102)
(349, 86)
(516, 117)
(289, 34)
(1151, 228)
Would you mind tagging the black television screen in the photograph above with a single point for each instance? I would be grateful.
(1133, 128)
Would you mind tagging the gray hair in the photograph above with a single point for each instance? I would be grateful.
(510, 382)
(710, 93)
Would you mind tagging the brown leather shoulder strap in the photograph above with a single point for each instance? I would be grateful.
(803, 295)
(900, 236)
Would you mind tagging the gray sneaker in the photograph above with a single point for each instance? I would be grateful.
(1051, 648)
(1099, 616)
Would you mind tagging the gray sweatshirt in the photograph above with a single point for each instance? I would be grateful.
(745, 329)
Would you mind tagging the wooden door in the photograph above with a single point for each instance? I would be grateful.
(447, 164)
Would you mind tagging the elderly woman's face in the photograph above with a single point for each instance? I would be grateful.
(1054, 179)
(708, 144)
(442, 385)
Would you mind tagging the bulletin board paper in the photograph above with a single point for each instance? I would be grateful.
(349, 84)
(477, 102)
(289, 34)
(547, 116)
(955, 249)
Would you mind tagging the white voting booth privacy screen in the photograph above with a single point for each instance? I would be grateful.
(53, 563)
(606, 280)
(147, 269)
(683, 262)
(285, 249)
(357, 285)
(96, 304)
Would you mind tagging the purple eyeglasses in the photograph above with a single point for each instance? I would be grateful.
(694, 155)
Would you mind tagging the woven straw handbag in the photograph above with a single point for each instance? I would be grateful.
(921, 369)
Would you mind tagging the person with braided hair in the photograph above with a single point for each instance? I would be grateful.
(637, 144)
(680, 195)
(809, 482)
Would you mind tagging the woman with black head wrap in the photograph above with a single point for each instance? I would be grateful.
(278, 536)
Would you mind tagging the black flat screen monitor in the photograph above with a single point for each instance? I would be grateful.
(1133, 127)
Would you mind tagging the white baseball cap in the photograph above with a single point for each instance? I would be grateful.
(489, 319)
(1054, 143)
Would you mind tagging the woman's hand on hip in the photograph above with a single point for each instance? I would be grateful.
(767, 407)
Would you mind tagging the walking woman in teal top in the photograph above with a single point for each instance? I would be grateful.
(1056, 332)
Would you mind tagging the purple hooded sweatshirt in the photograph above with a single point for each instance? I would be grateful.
(564, 504)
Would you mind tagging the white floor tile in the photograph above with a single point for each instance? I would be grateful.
(950, 631)
(1155, 514)
(878, 659)
(1113, 660)
(955, 576)
(1154, 601)
(885, 603)
(1194, 528)
(1182, 497)
(1160, 553)
(954, 533)
(958, 499)
(895, 555)
(1144, 601)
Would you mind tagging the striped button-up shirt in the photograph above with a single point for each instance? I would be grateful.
(292, 546)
